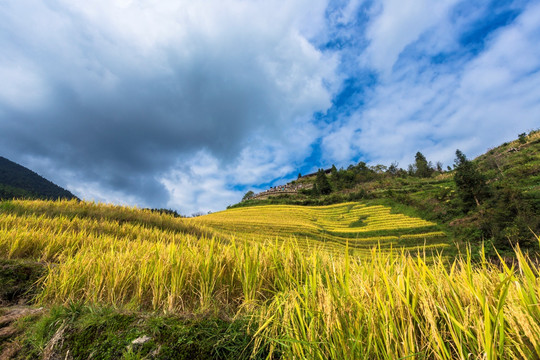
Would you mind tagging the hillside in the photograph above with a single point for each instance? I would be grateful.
(504, 217)
(358, 226)
(16, 181)
(81, 281)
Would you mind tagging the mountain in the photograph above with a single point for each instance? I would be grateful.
(16, 181)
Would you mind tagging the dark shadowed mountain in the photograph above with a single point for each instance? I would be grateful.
(16, 181)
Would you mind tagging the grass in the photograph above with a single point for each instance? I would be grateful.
(17, 279)
(110, 282)
(106, 333)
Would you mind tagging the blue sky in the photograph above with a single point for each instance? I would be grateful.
(188, 105)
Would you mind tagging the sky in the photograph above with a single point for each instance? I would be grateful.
(188, 105)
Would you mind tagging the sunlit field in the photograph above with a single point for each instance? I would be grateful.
(316, 304)
(356, 225)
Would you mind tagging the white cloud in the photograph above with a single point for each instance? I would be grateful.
(200, 182)
(93, 191)
(398, 23)
(21, 87)
(339, 145)
(199, 185)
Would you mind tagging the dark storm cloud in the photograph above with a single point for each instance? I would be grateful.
(126, 138)
(120, 108)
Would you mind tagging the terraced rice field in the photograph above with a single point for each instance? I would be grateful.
(294, 304)
(359, 225)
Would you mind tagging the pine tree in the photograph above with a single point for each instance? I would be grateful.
(321, 183)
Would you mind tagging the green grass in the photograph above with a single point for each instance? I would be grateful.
(18, 278)
(106, 333)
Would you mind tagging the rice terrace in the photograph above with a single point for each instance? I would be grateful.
(267, 180)
(332, 227)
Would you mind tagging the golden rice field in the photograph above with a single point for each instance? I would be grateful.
(332, 227)
(300, 305)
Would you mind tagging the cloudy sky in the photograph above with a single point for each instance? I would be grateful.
(189, 104)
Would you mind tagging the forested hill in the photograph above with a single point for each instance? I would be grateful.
(16, 181)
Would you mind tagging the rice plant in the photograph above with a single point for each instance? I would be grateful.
(302, 302)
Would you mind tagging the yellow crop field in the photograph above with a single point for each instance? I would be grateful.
(244, 264)
(331, 227)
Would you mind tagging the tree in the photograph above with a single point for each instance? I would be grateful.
(510, 216)
(393, 168)
(336, 178)
(248, 195)
(334, 170)
(471, 184)
(379, 169)
(423, 168)
(322, 185)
